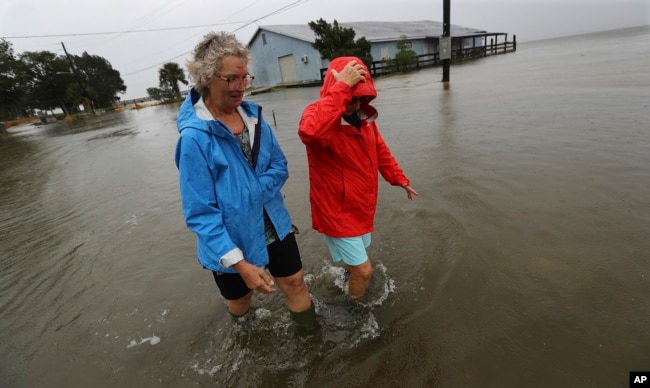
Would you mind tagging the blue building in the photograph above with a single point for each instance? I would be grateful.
(283, 55)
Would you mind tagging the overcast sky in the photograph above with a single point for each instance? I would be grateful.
(113, 28)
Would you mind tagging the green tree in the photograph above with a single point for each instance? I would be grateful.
(406, 58)
(170, 75)
(42, 80)
(333, 41)
(164, 93)
(11, 94)
(155, 93)
(45, 81)
(99, 79)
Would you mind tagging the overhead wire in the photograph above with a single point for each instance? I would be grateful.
(121, 32)
(277, 11)
(244, 24)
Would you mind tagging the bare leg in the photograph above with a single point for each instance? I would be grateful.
(359, 279)
(295, 290)
(239, 307)
(301, 308)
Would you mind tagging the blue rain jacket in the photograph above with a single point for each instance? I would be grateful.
(223, 197)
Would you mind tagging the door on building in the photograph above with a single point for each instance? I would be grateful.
(288, 69)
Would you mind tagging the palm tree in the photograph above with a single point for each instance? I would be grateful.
(170, 75)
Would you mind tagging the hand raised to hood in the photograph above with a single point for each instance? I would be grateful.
(352, 73)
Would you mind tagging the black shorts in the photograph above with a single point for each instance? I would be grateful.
(284, 260)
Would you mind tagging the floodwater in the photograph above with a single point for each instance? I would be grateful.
(523, 262)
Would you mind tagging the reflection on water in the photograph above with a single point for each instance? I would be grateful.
(522, 262)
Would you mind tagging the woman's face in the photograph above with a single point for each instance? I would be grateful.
(228, 85)
(354, 105)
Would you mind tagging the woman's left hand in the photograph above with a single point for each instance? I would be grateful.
(409, 191)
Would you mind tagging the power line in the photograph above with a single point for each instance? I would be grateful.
(122, 32)
(246, 23)
(279, 10)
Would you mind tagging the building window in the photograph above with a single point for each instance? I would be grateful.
(263, 38)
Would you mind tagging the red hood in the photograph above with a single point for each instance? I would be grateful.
(361, 89)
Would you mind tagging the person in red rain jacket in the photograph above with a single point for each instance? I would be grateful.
(345, 151)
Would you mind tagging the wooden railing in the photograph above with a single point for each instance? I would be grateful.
(379, 68)
(483, 51)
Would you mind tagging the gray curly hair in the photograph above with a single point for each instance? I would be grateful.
(208, 56)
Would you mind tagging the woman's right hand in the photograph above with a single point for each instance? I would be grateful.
(352, 73)
(256, 278)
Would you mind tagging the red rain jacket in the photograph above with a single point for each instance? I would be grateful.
(344, 162)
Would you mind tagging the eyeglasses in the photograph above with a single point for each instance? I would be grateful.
(235, 82)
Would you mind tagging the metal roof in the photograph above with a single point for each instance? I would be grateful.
(374, 31)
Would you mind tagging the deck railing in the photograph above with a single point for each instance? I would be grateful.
(379, 68)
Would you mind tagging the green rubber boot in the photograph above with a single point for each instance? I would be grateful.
(306, 322)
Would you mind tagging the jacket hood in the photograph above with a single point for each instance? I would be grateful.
(361, 89)
(187, 117)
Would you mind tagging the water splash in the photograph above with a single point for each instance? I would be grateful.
(266, 336)
(153, 340)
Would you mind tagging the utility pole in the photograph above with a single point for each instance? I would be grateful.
(74, 71)
(445, 42)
